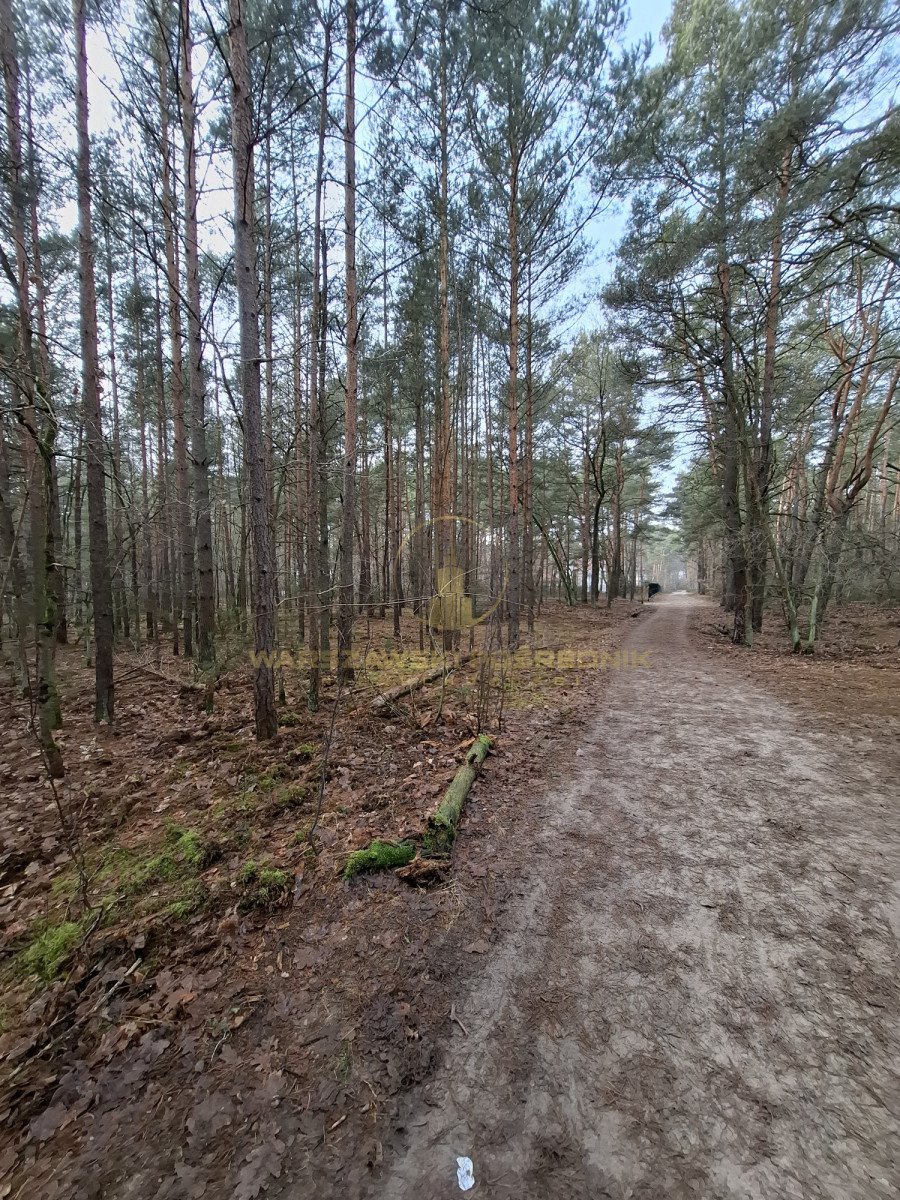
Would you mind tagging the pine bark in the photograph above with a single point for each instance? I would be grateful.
(101, 586)
(348, 506)
(444, 539)
(265, 715)
(313, 548)
(35, 412)
(183, 578)
(196, 385)
(512, 419)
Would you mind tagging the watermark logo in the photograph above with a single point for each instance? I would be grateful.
(451, 608)
(550, 659)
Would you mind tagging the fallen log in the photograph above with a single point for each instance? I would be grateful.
(424, 872)
(443, 821)
(385, 703)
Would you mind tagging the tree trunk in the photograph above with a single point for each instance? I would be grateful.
(168, 585)
(77, 529)
(13, 571)
(36, 415)
(55, 575)
(734, 537)
(101, 587)
(833, 544)
(148, 591)
(183, 580)
(301, 466)
(265, 714)
(348, 501)
(120, 601)
(763, 463)
(315, 448)
(444, 539)
(199, 454)
(528, 472)
(512, 417)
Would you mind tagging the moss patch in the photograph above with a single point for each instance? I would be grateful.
(379, 856)
(190, 849)
(189, 903)
(50, 949)
(261, 886)
(185, 854)
(283, 799)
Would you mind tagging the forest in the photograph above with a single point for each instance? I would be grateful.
(366, 368)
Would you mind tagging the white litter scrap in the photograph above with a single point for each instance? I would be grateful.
(465, 1174)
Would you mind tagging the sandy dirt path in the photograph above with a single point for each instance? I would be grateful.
(697, 993)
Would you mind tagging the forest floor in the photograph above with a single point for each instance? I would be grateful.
(229, 1011)
(665, 960)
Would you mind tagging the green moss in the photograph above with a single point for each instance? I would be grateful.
(261, 886)
(185, 855)
(160, 868)
(65, 884)
(306, 750)
(50, 949)
(437, 843)
(379, 856)
(189, 903)
(288, 720)
(243, 804)
(443, 824)
(190, 849)
(343, 1064)
(115, 862)
(286, 798)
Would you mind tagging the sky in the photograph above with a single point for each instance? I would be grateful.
(602, 234)
(646, 18)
